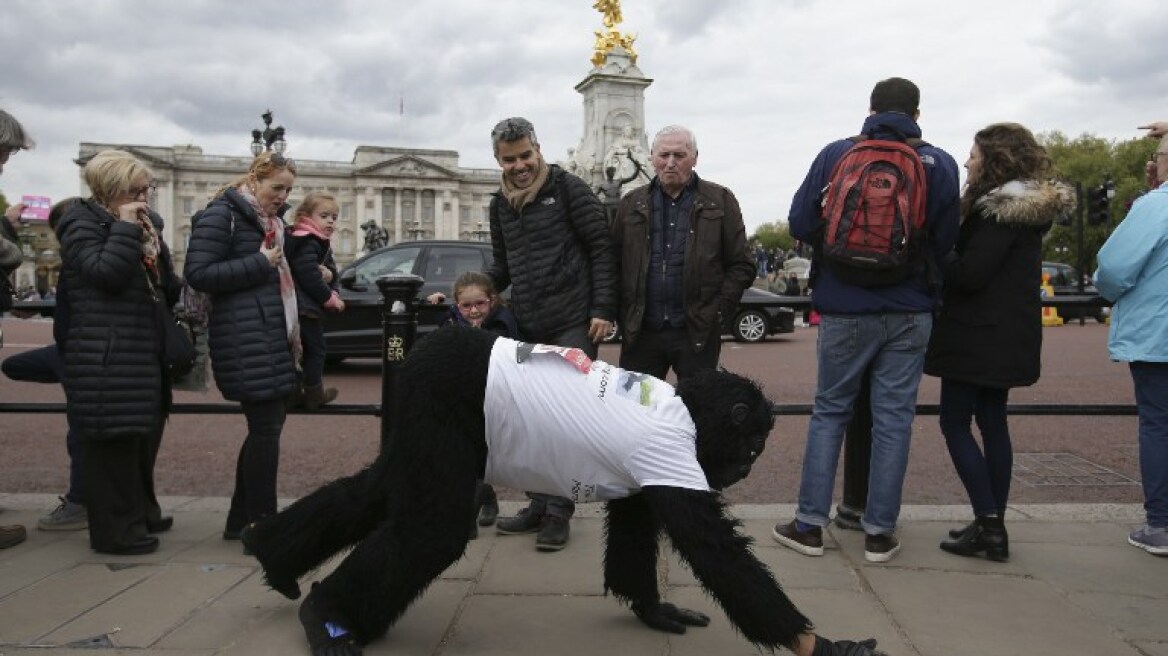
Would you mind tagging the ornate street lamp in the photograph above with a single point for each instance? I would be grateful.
(482, 234)
(270, 138)
(417, 232)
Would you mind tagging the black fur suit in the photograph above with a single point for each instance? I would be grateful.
(410, 513)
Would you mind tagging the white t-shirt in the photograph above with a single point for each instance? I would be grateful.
(560, 423)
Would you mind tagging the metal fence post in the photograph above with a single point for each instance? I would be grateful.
(399, 329)
(857, 458)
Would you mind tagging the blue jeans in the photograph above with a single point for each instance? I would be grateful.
(986, 476)
(893, 347)
(1151, 386)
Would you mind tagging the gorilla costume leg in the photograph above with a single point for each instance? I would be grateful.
(410, 513)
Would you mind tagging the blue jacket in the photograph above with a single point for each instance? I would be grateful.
(1133, 274)
(942, 218)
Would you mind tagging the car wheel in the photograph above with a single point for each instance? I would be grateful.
(613, 335)
(750, 326)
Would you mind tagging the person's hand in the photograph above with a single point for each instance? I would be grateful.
(1155, 130)
(340, 305)
(670, 618)
(599, 329)
(13, 214)
(130, 212)
(436, 298)
(273, 253)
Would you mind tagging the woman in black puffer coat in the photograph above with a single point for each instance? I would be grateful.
(988, 337)
(236, 256)
(118, 276)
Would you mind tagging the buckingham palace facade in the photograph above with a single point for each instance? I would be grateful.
(411, 193)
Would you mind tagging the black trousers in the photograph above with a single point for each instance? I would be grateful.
(655, 352)
(118, 477)
(312, 338)
(259, 459)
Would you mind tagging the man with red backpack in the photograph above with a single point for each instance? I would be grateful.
(881, 210)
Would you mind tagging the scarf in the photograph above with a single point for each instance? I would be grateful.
(517, 198)
(273, 227)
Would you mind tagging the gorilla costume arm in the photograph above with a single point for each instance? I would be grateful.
(708, 540)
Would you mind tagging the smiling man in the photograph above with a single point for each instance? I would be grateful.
(550, 242)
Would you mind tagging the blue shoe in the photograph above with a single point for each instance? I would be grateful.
(1151, 540)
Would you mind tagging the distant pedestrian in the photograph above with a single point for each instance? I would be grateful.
(236, 255)
(1133, 274)
(988, 335)
(310, 254)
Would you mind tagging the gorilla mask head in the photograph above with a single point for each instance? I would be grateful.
(733, 421)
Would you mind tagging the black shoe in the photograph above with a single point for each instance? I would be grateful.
(139, 547)
(847, 518)
(808, 543)
(880, 547)
(488, 513)
(553, 534)
(160, 525)
(956, 533)
(525, 522)
(987, 536)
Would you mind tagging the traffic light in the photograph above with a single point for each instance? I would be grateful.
(1099, 204)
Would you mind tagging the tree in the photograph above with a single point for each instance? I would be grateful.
(1089, 161)
(774, 235)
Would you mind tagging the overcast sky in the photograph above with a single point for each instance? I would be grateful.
(763, 83)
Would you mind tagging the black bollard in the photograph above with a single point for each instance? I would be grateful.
(399, 329)
(857, 459)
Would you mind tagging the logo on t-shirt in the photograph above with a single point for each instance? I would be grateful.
(573, 356)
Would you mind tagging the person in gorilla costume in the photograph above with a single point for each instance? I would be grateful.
(470, 405)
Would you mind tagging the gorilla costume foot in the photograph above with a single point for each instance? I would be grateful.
(325, 638)
(287, 587)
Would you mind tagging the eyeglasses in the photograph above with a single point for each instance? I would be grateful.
(138, 191)
(479, 305)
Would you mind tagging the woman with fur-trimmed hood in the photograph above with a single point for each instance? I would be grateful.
(988, 337)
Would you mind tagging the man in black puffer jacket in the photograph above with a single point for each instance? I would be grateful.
(551, 246)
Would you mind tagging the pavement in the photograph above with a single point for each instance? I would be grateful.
(1073, 586)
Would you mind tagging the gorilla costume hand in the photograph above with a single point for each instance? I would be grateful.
(670, 618)
(825, 647)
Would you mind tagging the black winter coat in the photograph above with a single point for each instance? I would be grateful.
(989, 331)
(558, 262)
(250, 354)
(114, 339)
(305, 253)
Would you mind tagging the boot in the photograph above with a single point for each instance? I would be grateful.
(987, 535)
(956, 533)
(318, 395)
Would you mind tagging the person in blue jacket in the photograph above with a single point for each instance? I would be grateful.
(1133, 274)
(881, 331)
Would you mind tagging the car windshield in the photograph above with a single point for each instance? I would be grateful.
(398, 260)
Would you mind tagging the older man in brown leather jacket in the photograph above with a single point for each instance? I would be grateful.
(681, 248)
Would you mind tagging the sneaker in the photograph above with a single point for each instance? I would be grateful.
(880, 548)
(12, 535)
(808, 543)
(847, 518)
(488, 513)
(68, 516)
(525, 522)
(553, 534)
(1151, 540)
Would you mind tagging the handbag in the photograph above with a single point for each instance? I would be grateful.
(178, 347)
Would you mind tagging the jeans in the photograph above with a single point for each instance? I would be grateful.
(1151, 387)
(312, 338)
(44, 365)
(576, 337)
(986, 476)
(893, 347)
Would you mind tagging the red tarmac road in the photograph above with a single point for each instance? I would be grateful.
(199, 451)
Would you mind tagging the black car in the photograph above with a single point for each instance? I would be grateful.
(356, 332)
(760, 313)
(1064, 279)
